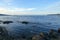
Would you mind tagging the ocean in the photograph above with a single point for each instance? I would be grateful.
(37, 24)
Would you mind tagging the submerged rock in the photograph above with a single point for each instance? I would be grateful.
(1, 21)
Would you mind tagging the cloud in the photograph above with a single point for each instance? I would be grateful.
(9, 2)
(14, 11)
(24, 9)
(53, 8)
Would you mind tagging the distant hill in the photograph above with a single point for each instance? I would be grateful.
(30, 15)
(4, 15)
(53, 14)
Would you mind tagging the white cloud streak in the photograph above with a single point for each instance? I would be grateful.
(15, 11)
(53, 8)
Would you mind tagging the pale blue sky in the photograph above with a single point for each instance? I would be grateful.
(29, 7)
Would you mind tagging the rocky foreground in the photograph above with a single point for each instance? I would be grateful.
(51, 35)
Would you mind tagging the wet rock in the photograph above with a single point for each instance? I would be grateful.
(35, 37)
(39, 37)
(52, 34)
(3, 33)
(59, 30)
(24, 22)
(42, 36)
(7, 22)
(23, 36)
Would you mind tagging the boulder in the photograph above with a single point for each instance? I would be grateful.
(52, 34)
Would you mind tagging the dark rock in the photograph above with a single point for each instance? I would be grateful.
(7, 22)
(52, 34)
(24, 22)
(23, 36)
(59, 30)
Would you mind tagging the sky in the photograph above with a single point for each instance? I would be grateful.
(29, 7)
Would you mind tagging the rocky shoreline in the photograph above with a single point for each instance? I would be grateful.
(51, 35)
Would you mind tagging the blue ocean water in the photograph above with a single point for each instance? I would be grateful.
(37, 24)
